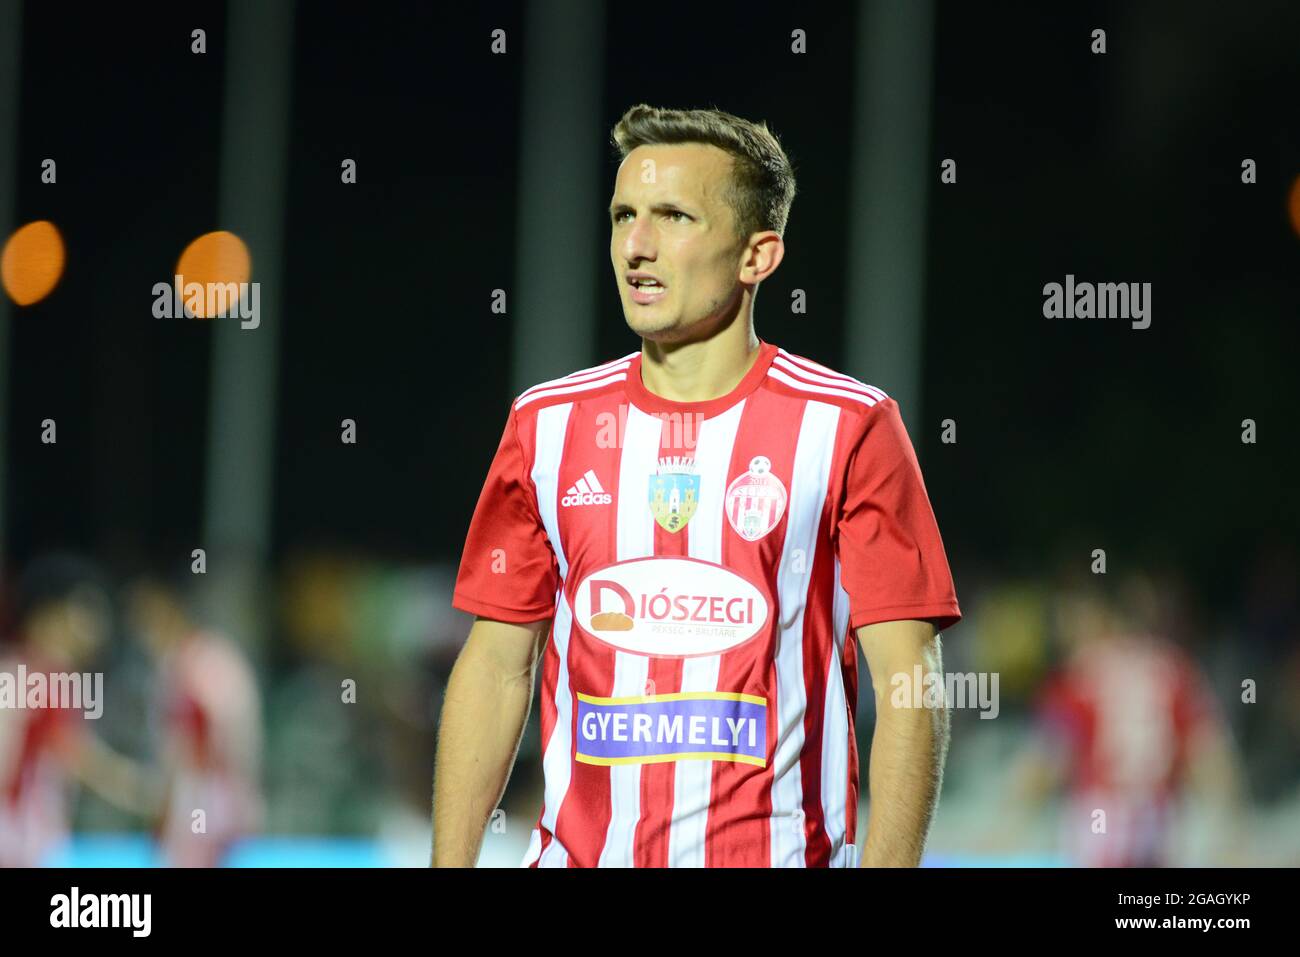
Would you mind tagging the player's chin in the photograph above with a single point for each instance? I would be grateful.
(653, 328)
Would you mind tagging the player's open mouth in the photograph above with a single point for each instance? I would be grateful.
(646, 290)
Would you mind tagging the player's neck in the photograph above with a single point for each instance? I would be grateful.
(701, 370)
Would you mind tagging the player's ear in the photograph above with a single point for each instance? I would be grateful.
(763, 254)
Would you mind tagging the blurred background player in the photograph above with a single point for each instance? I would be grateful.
(1128, 726)
(208, 712)
(62, 619)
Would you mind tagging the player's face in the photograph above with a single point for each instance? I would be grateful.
(71, 632)
(669, 219)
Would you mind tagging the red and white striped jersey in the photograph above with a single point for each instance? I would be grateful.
(1125, 715)
(704, 564)
(210, 713)
(34, 813)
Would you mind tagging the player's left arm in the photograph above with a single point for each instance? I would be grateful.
(909, 744)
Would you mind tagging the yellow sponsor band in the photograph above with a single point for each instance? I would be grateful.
(678, 756)
(676, 696)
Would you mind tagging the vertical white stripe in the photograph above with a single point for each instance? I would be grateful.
(552, 422)
(557, 762)
(840, 611)
(835, 734)
(808, 483)
(636, 539)
(693, 780)
(534, 849)
(593, 481)
(581, 486)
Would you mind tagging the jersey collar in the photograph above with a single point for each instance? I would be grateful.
(647, 401)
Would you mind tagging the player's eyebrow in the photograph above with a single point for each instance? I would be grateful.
(662, 207)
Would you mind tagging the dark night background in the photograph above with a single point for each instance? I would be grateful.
(1116, 167)
(1072, 435)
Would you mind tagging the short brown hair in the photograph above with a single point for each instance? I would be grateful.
(762, 179)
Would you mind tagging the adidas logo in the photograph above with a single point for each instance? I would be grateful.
(587, 491)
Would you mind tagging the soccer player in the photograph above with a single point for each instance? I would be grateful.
(62, 620)
(706, 529)
(209, 711)
(1128, 726)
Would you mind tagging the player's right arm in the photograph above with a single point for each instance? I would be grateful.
(509, 580)
(487, 703)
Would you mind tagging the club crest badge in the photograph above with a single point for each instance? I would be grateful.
(674, 492)
(755, 500)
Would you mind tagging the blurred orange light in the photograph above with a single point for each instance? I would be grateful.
(32, 262)
(1295, 205)
(216, 258)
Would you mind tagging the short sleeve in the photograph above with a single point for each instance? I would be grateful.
(892, 561)
(508, 570)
